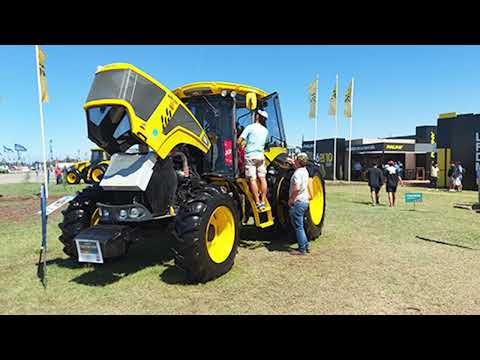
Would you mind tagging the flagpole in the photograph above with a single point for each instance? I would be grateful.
(41, 122)
(336, 132)
(350, 141)
(316, 120)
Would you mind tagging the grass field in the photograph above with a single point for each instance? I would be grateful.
(369, 260)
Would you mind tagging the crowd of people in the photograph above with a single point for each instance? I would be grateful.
(455, 174)
(391, 175)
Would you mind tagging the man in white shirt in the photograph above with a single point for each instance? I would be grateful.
(298, 202)
(255, 137)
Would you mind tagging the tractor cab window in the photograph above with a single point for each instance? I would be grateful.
(215, 115)
(276, 132)
(98, 156)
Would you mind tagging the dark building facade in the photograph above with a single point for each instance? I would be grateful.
(325, 150)
(415, 152)
(458, 140)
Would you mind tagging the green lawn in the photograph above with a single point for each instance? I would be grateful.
(370, 260)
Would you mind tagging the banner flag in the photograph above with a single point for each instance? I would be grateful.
(332, 110)
(19, 147)
(312, 95)
(347, 112)
(43, 77)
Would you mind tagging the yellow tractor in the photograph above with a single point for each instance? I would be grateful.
(175, 161)
(90, 171)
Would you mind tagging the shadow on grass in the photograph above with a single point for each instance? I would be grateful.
(253, 238)
(445, 243)
(153, 250)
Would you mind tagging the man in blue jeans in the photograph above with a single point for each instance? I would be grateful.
(298, 202)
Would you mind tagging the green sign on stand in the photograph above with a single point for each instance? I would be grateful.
(413, 198)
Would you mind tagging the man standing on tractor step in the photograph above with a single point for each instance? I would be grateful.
(298, 202)
(255, 136)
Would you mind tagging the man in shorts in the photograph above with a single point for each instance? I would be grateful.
(255, 136)
(375, 181)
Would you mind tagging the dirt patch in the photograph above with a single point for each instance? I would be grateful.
(18, 209)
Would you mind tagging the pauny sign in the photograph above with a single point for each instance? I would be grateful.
(383, 147)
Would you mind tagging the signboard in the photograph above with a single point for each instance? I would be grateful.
(89, 251)
(383, 147)
(58, 204)
(413, 197)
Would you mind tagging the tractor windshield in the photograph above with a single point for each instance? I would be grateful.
(125, 84)
(215, 114)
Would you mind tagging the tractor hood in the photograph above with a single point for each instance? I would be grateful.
(126, 106)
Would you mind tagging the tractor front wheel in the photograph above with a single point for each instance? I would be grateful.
(73, 177)
(207, 234)
(81, 213)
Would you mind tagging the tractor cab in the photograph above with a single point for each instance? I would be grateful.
(224, 110)
(97, 156)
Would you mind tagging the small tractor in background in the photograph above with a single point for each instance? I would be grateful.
(90, 171)
(184, 174)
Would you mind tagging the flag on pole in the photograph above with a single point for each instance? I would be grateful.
(347, 112)
(19, 147)
(312, 95)
(332, 110)
(7, 149)
(41, 71)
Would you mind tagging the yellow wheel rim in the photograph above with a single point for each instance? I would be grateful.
(220, 234)
(95, 219)
(97, 175)
(317, 203)
(71, 178)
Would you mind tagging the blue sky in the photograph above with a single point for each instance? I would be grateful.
(396, 87)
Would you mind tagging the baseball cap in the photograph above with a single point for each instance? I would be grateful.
(263, 113)
(302, 156)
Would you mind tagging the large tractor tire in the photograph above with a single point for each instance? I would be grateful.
(314, 216)
(80, 214)
(207, 233)
(73, 177)
(97, 172)
(85, 175)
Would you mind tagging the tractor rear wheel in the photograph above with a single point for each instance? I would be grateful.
(206, 229)
(81, 213)
(315, 215)
(73, 177)
(97, 173)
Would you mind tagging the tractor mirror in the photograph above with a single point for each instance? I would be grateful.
(251, 101)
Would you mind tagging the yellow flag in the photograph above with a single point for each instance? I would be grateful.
(347, 112)
(332, 110)
(312, 95)
(43, 78)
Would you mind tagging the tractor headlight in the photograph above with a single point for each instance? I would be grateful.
(136, 213)
(104, 213)
(123, 214)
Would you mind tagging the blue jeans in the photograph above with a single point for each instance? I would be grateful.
(297, 214)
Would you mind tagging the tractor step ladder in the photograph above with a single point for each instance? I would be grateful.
(264, 218)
